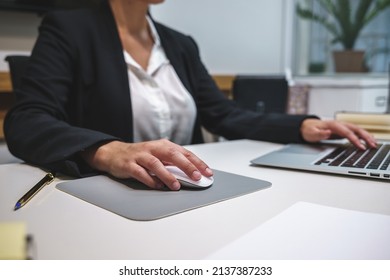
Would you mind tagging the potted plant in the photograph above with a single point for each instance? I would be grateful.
(345, 19)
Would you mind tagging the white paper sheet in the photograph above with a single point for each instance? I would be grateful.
(310, 231)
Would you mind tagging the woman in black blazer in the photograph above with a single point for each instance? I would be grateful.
(74, 113)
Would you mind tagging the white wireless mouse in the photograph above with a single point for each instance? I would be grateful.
(185, 181)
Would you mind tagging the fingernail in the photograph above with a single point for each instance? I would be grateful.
(209, 171)
(176, 186)
(196, 175)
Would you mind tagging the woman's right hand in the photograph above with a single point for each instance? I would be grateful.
(140, 160)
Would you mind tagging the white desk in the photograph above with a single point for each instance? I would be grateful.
(65, 227)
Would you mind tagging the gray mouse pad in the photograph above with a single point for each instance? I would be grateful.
(136, 201)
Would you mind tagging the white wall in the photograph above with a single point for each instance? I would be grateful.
(234, 36)
(18, 32)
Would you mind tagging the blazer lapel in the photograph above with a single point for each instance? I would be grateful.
(116, 65)
(175, 55)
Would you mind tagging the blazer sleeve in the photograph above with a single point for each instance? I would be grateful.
(38, 128)
(224, 117)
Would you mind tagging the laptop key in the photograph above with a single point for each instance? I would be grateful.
(376, 162)
(351, 161)
(349, 151)
(386, 163)
(329, 157)
(367, 157)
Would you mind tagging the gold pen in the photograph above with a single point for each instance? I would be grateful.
(49, 177)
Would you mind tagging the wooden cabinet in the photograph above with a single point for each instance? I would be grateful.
(6, 98)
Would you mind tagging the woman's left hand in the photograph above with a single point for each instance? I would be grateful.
(314, 130)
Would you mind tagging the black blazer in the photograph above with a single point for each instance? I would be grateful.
(76, 94)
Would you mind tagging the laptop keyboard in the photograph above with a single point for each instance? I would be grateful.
(350, 156)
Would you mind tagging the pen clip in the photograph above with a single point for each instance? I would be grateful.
(51, 176)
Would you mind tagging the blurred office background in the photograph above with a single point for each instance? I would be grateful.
(255, 37)
(251, 36)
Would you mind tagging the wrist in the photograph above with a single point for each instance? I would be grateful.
(97, 155)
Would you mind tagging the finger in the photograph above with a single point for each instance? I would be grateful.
(199, 164)
(368, 138)
(182, 158)
(154, 166)
(355, 134)
(315, 134)
(348, 131)
(323, 134)
(192, 165)
(139, 173)
(186, 164)
(314, 130)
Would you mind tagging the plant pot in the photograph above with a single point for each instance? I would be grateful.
(316, 67)
(349, 61)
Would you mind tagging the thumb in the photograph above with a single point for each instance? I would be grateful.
(324, 134)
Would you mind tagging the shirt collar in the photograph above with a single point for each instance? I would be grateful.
(153, 30)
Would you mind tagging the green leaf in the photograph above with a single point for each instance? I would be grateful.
(344, 23)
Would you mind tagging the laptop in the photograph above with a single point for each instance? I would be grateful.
(339, 158)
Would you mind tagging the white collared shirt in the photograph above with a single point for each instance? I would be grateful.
(161, 105)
